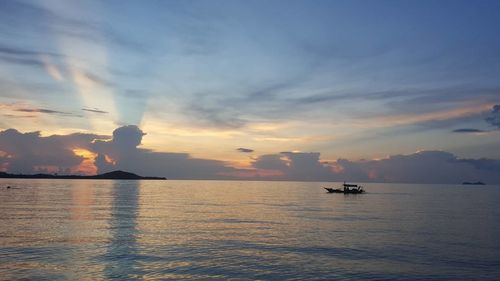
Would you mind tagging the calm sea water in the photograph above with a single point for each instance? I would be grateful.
(158, 230)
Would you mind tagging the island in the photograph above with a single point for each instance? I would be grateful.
(115, 175)
(473, 183)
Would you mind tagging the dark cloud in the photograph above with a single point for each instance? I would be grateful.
(30, 152)
(494, 117)
(306, 166)
(483, 164)
(9, 110)
(273, 162)
(23, 61)
(245, 150)
(18, 116)
(95, 110)
(467, 130)
(41, 110)
(124, 155)
(295, 166)
(420, 167)
(103, 164)
(127, 137)
(14, 51)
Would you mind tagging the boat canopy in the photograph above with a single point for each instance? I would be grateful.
(350, 185)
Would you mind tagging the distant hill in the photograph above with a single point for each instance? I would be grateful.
(115, 175)
(473, 183)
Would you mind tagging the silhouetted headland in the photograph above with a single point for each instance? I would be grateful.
(473, 183)
(115, 175)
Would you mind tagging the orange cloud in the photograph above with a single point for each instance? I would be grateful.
(87, 166)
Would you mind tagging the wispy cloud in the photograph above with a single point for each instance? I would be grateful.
(15, 13)
(22, 56)
(468, 131)
(214, 116)
(42, 110)
(10, 110)
(96, 79)
(95, 110)
(14, 51)
(245, 150)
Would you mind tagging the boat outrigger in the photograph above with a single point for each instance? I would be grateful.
(347, 189)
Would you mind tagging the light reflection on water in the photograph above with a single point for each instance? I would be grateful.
(156, 230)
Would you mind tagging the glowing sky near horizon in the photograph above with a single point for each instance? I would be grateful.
(350, 79)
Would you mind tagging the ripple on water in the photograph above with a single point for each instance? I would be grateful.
(96, 230)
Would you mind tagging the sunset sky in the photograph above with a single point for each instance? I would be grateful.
(295, 90)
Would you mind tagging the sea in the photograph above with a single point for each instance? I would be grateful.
(246, 230)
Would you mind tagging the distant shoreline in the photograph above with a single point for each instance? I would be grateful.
(115, 175)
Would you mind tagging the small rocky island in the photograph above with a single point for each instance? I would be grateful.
(115, 175)
(473, 183)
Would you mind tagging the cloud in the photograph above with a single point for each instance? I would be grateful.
(419, 167)
(494, 117)
(273, 162)
(15, 13)
(468, 130)
(283, 99)
(245, 150)
(42, 110)
(215, 116)
(23, 61)
(483, 164)
(295, 166)
(14, 54)
(31, 152)
(48, 62)
(95, 110)
(14, 51)
(31, 58)
(97, 79)
(23, 110)
(123, 154)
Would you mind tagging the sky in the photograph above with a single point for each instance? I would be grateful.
(397, 91)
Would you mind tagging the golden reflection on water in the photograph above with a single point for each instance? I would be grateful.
(88, 227)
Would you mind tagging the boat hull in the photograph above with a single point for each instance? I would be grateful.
(338, 190)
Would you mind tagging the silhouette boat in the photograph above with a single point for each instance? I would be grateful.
(347, 189)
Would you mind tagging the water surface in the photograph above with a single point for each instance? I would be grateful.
(160, 230)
